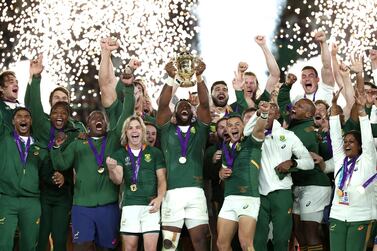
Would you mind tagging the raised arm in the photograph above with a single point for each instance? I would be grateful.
(127, 109)
(258, 131)
(164, 113)
(272, 65)
(357, 67)
(34, 102)
(203, 108)
(336, 67)
(238, 82)
(341, 73)
(373, 61)
(326, 71)
(115, 171)
(369, 150)
(283, 98)
(336, 139)
(334, 111)
(106, 77)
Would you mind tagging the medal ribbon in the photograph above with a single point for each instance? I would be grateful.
(183, 141)
(329, 145)
(99, 157)
(371, 179)
(313, 96)
(23, 154)
(268, 132)
(229, 156)
(135, 166)
(347, 172)
(52, 137)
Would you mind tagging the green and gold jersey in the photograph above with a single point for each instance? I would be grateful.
(91, 187)
(305, 131)
(16, 178)
(7, 116)
(245, 170)
(325, 148)
(151, 160)
(241, 105)
(189, 174)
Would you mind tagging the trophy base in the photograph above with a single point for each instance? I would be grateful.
(187, 83)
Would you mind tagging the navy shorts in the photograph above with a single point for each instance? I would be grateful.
(98, 224)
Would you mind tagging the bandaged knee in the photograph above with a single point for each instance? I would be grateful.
(170, 240)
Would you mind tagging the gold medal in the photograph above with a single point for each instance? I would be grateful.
(100, 169)
(339, 192)
(133, 187)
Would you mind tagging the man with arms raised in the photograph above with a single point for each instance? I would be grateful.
(33, 99)
(313, 88)
(183, 145)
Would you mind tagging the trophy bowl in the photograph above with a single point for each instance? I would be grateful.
(186, 64)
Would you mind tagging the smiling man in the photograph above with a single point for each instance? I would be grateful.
(95, 212)
(142, 169)
(240, 173)
(56, 187)
(8, 97)
(21, 161)
(183, 145)
(219, 94)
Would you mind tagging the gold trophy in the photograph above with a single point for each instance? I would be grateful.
(186, 64)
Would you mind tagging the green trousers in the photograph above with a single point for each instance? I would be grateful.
(276, 207)
(349, 236)
(23, 212)
(55, 221)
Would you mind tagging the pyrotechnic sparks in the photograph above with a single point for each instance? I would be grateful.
(68, 33)
(352, 24)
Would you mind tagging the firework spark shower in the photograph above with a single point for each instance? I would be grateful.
(68, 34)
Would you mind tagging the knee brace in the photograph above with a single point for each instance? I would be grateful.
(170, 240)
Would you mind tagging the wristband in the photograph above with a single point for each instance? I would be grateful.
(264, 115)
(170, 82)
(173, 82)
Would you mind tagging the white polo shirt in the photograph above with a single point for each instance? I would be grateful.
(277, 147)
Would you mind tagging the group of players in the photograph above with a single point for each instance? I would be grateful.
(265, 167)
